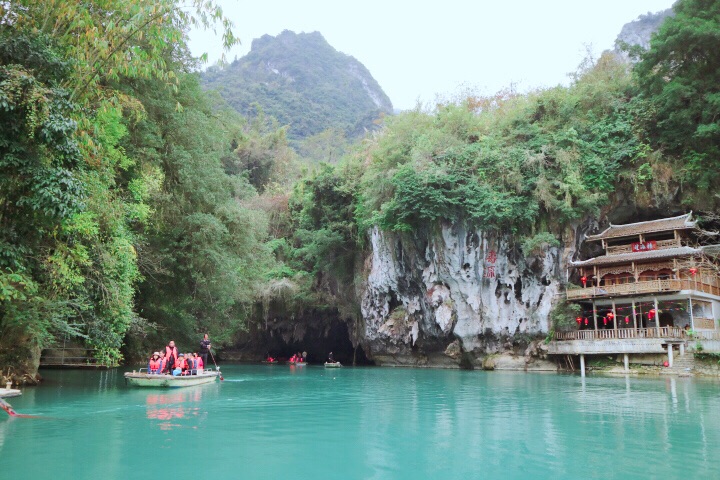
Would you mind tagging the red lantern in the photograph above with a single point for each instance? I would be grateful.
(605, 320)
(586, 321)
(627, 320)
(578, 320)
(611, 315)
(651, 314)
(693, 271)
(583, 279)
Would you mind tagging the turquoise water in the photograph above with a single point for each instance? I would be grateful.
(306, 423)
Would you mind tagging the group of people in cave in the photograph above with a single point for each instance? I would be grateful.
(169, 361)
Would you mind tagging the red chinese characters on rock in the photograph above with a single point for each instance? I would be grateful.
(644, 246)
(490, 271)
(490, 258)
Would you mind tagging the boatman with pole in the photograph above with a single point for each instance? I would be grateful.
(205, 348)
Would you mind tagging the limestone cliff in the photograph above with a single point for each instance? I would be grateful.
(456, 297)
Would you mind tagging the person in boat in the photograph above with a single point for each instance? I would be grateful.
(155, 364)
(205, 348)
(171, 355)
(191, 364)
(180, 365)
(331, 357)
(199, 364)
(270, 359)
(163, 362)
(293, 359)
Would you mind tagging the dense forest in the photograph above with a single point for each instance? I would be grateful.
(135, 206)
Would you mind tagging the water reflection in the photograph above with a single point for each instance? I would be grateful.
(167, 407)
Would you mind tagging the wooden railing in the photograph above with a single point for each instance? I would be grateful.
(622, 333)
(649, 286)
(659, 245)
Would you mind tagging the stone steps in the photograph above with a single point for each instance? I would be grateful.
(681, 366)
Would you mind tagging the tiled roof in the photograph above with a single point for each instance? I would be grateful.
(664, 224)
(638, 256)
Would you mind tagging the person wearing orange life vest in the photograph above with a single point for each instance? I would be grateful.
(171, 354)
(199, 364)
(180, 365)
(163, 362)
(155, 364)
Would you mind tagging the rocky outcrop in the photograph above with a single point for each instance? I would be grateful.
(457, 296)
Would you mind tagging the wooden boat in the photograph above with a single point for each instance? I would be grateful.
(144, 379)
(300, 364)
(274, 362)
(333, 364)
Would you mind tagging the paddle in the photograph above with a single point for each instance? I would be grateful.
(216, 367)
(6, 406)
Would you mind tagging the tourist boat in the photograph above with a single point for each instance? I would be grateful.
(333, 364)
(144, 379)
(300, 364)
(274, 362)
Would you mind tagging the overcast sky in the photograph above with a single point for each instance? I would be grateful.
(417, 50)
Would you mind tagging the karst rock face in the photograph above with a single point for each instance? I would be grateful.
(456, 296)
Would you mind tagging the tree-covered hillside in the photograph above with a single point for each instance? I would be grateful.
(134, 208)
(304, 83)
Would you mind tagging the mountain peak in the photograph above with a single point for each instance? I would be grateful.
(301, 80)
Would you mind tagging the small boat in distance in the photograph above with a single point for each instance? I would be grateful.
(144, 379)
(300, 364)
(333, 364)
(274, 362)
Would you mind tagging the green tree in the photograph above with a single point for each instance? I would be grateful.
(679, 82)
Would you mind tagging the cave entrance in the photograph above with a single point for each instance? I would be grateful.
(318, 344)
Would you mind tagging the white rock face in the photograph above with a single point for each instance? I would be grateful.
(466, 286)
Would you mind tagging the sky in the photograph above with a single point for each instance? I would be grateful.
(421, 50)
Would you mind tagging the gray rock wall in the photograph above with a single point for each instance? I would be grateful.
(456, 296)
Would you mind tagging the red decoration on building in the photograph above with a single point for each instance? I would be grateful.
(651, 314)
(627, 320)
(490, 271)
(693, 271)
(605, 319)
(583, 279)
(578, 320)
(644, 246)
(586, 321)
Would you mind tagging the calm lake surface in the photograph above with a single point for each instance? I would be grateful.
(305, 423)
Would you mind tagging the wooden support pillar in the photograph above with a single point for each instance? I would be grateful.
(682, 349)
(594, 315)
(657, 316)
(634, 315)
(670, 355)
(582, 365)
(615, 319)
(626, 361)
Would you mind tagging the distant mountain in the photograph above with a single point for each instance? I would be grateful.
(640, 30)
(305, 83)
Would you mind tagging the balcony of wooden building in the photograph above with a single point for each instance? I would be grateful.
(663, 277)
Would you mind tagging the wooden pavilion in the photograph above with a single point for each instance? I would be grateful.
(655, 285)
